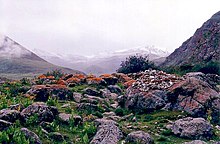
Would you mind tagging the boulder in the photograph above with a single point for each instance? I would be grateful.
(67, 117)
(9, 115)
(31, 135)
(115, 89)
(56, 136)
(107, 133)
(42, 92)
(192, 128)
(4, 125)
(195, 142)
(87, 106)
(140, 137)
(43, 112)
(91, 91)
(122, 78)
(18, 107)
(196, 97)
(110, 79)
(77, 97)
(145, 101)
(105, 93)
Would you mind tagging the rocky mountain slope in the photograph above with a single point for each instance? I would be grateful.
(142, 108)
(17, 60)
(107, 62)
(203, 46)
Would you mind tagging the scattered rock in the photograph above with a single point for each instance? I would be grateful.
(108, 132)
(195, 142)
(18, 107)
(139, 137)
(192, 128)
(56, 136)
(115, 89)
(67, 117)
(77, 97)
(42, 92)
(4, 125)
(43, 112)
(87, 106)
(91, 91)
(9, 115)
(31, 135)
(110, 79)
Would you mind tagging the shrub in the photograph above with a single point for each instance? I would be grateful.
(135, 63)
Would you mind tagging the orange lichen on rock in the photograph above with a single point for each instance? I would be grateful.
(50, 77)
(61, 82)
(79, 76)
(42, 76)
(129, 83)
(73, 80)
(106, 76)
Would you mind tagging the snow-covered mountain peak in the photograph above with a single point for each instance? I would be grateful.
(9, 48)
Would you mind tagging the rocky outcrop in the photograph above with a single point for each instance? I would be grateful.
(108, 132)
(196, 97)
(31, 136)
(43, 92)
(139, 137)
(41, 111)
(192, 128)
(203, 46)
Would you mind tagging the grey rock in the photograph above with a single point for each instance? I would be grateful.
(67, 117)
(145, 101)
(192, 128)
(115, 89)
(44, 112)
(56, 136)
(31, 135)
(77, 97)
(108, 132)
(18, 107)
(4, 125)
(140, 137)
(195, 142)
(9, 115)
(91, 91)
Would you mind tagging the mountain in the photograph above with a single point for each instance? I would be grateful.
(106, 62)
(15, 60)
(202, 47)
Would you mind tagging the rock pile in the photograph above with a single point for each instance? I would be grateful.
(153, 79)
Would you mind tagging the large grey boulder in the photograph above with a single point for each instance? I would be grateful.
(41, 110)
(108, 132)
(139, 137)
(192, 128)
(145, 101)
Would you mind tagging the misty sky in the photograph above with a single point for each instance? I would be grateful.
(87, 27)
